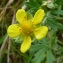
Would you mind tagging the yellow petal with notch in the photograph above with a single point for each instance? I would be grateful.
(40, 32)
(13, 31)
(38, 17)
(26, 44)
(21, 15)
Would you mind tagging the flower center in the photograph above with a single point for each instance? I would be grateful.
(27, 27)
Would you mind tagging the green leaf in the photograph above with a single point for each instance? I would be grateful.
(3, 56)
(58, 12)
(52, 24)
(1, 39)
(30, 57)
(39, 45)
(36, 47)
(55, 25)
(50, 57)
(54, 42)
(32, 10)
(19, 39)
(29, 16)
(40, 1)
(58, 2)
(32, 4)
(39, 56)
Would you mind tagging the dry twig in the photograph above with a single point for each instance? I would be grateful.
(8, 60)
(2, 47)
(4, 10)
(6, 39)
(1, 16)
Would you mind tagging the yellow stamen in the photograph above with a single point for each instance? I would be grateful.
(27, 27)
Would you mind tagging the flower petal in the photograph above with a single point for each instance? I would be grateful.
(40, 32)
(39, 15)
(26, 44)
(13, 30)
(21, 15)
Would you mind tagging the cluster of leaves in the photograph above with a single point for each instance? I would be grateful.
(47, 49)
(50, 48)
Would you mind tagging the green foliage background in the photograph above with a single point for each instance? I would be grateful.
(47, 50)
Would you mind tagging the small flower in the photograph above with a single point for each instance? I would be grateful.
(27, 28)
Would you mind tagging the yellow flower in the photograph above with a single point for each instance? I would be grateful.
(27, 28)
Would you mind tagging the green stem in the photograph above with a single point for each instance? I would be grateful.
(21, 54)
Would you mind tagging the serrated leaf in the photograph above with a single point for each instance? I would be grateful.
(39, 45)
(55, 25)
(50, 57)
(39, 56)
(36, 47)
